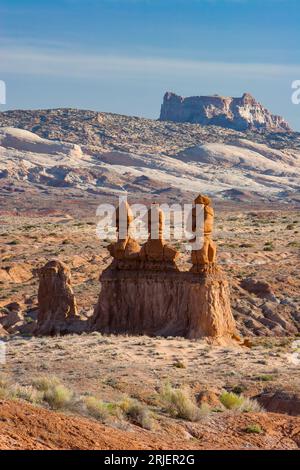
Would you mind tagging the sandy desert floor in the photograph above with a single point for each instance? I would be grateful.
(111, 368)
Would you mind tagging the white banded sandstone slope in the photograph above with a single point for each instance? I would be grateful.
(224, 168)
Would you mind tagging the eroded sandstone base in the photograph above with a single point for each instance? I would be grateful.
(179, 304)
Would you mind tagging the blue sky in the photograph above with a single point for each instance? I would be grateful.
(122, 55)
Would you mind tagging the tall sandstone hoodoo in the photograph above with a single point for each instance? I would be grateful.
(149, 295)
(234, 113)
(57, 308)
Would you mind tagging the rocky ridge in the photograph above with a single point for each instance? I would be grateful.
(104, 154)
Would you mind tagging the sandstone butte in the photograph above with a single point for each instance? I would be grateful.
(143, 291)
(233, 113)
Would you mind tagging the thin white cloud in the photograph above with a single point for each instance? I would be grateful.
(28, 60)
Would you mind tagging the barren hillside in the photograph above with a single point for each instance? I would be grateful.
(101, 155)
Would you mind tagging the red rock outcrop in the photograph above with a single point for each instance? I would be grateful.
(153, 303)
(204, 257)
(280, 401)
(157, 299)
(126, 250)
(57, 309)
(156, 254)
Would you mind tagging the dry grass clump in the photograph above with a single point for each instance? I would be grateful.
(27, 393)
(179, 404)
(54, 392)
(235, 402)
(45, 382)
(136, 412)
(58, 397)
(97, 408)
(128, 408)
(4, 388)
(15, 392)
(50, 391)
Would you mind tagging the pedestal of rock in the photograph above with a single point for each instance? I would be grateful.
(57, 310)
(153, 303)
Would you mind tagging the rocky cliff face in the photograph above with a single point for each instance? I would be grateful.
(233, 113)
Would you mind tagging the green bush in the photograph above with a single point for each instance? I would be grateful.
(231, 400)
(235, 402)
(265, 378)
(254, 429)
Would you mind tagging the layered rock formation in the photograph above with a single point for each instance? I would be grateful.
(153, 297)
(234, 113)
(57, 309)
(179, 304)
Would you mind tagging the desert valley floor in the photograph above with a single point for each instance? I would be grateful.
(261, 245)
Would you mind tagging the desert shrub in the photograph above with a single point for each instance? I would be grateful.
(179, 404)
(265, 378)
(250, 405)
(253, 429)
(293, 243)
(3, 388)
(3, 393)
(28, 393)
(97, 408)
(232, 401)
(6, 392)
(58, 397)
(44, 383)
(136, 412)
(238, 389)
(179, 365)
(14, 392)
(54, 392)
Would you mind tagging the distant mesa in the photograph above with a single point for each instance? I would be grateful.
(239, 114)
